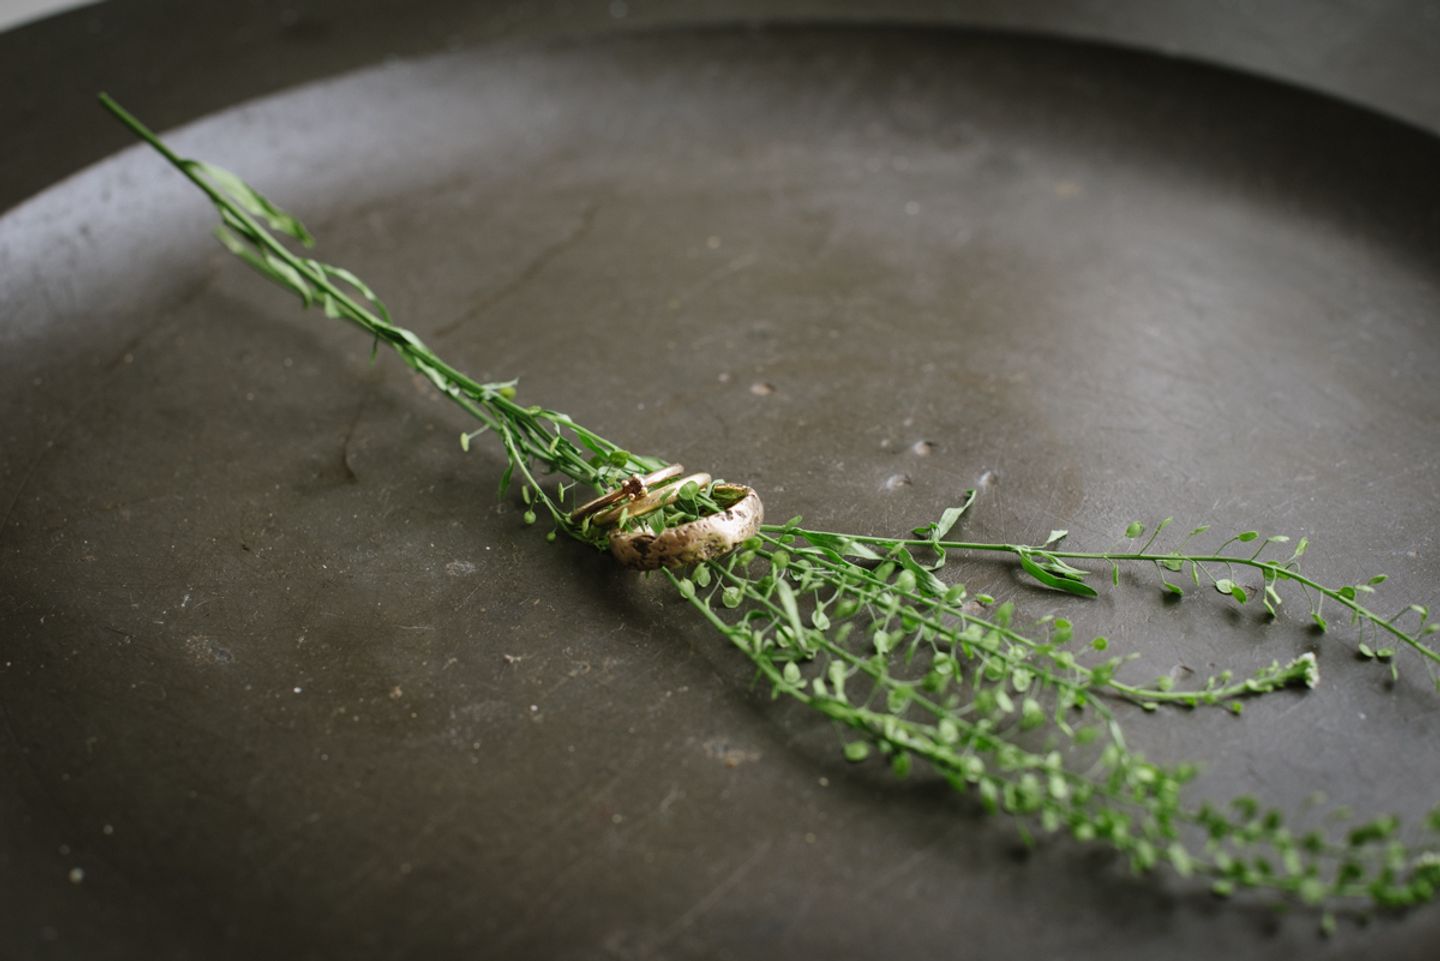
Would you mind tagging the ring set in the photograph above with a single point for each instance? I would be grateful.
(635, 498)
(702, 539)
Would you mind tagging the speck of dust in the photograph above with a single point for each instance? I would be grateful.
(762, 389)
(299, 689)
(77, 875)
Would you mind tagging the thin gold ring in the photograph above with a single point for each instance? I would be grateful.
(650, 501)
(635, 486)
(703, 539)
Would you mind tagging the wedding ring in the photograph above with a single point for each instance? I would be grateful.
(636, 485)
(706, 538)
(649, 502)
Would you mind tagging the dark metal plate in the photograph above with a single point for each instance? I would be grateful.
(280, 678)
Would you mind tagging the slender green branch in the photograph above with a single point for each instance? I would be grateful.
(1273, 571)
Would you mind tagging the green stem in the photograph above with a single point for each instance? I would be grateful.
(1276, 570)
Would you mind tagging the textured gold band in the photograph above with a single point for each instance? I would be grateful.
(699, 540)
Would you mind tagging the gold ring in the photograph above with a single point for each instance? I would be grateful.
(635, 486)
(704, 539)
(649, 502)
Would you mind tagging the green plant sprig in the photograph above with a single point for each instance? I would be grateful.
(859, 629)
(965, 722)
(1046, 565)
(530, 433)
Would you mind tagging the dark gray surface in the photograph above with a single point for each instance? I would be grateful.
(256, 606)
(184, 59)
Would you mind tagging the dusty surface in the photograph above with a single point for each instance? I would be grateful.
(280, 678)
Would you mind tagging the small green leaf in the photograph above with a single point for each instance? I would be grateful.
(1224, 585)
(1100, 643)
(505, 478)
(1056, 537)
(837, 675)
(791, 673)
(951, 515)
(1180, 859)
(1247, 536)
(340, 273)
(1319, 621)
(1134, 530)
(1050, 580)
(283, 273)
(1238, 592)
(857, 751)
(928, 583)
(731, 597)
(792, 610)
(247, 198)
